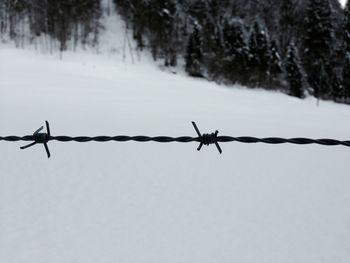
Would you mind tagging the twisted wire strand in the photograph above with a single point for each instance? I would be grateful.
(276, 140)
(124, 138)
(207, 139)
(183, 139)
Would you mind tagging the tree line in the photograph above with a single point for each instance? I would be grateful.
(299, 47)
(61, 20)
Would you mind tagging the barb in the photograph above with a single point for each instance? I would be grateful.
(42, 138)
(207, 139)
(202, 139)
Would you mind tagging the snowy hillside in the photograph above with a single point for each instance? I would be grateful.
(164, 203)
(134, 202)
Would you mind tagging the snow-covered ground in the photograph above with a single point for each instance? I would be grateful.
(134, 202)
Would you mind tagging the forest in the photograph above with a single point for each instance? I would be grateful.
(299, 47)
(61, 20)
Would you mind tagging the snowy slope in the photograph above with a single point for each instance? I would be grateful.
(133, 202)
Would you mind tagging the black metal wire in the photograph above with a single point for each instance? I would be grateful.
(184, 139)
(203, 139)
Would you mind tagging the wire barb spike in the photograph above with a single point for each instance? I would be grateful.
(207, 139)
(41, 138)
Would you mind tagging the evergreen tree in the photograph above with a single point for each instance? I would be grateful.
(317, 43)
(215, 57)
(236, 52)
(259, 55)
(210, 24)
(194, 55)
(294, 73)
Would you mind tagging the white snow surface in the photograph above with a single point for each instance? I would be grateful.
(150, 202)
(134, 202)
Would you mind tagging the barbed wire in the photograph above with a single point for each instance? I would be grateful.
(39, 137)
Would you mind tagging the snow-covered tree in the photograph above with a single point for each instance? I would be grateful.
(275, 64)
